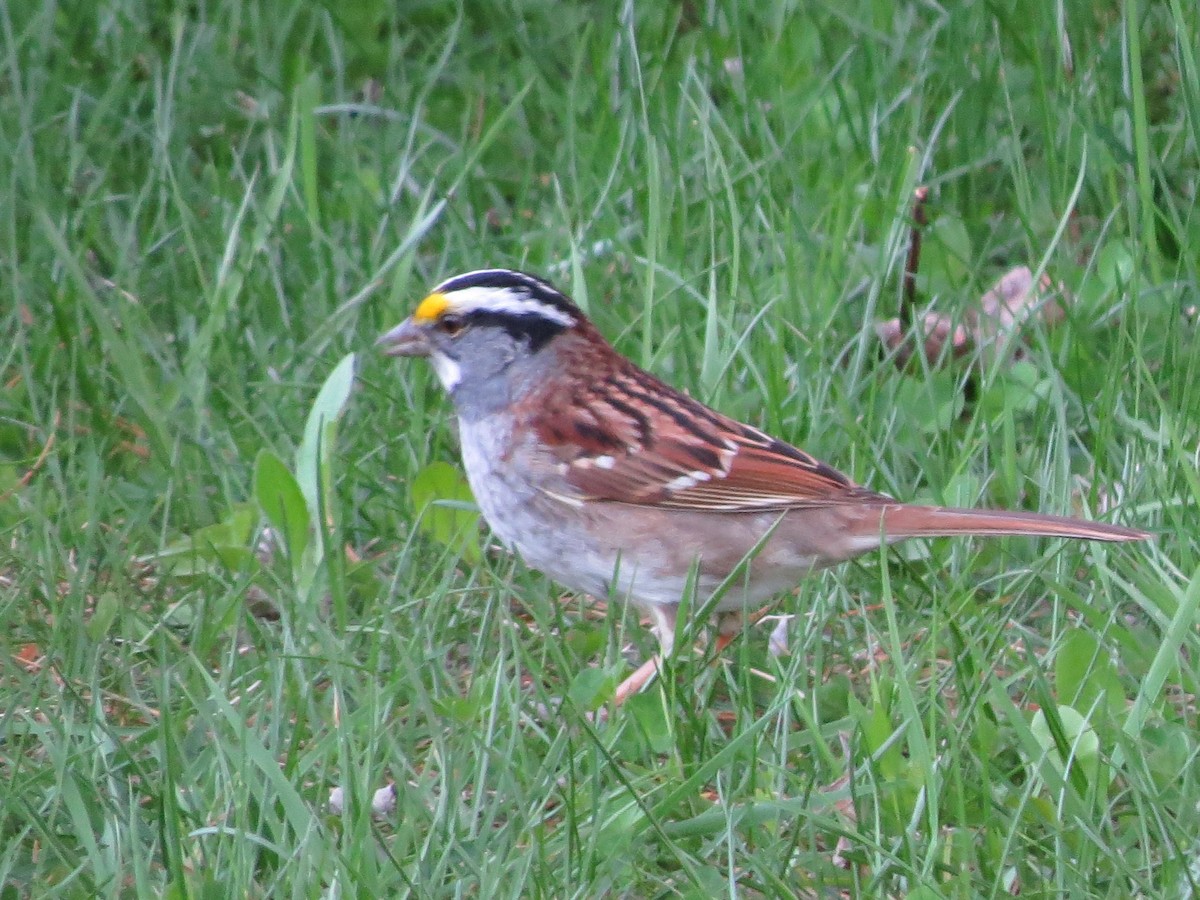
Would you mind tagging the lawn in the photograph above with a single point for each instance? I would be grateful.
(241, 571)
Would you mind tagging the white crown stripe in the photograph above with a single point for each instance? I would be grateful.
(503, 300)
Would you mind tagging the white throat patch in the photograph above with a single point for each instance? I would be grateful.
(449, 372)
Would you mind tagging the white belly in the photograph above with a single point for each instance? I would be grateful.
(598, 550)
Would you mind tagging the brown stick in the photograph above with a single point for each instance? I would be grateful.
(908, 296)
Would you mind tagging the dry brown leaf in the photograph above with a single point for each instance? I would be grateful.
(993, 328)
(1009, 304)
(938, 331)
(30, 657)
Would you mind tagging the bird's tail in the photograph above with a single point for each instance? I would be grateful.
(900, 521)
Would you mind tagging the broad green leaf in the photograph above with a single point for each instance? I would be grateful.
(648, 711)
(877, 731)
(281, 501)
(460, 709)
(226, 543)
(1167, 750)
(585, 639)
(1115, 265)
(1081, 743)
(1017, 389)
(1084, 673)
(108, 604)
(833, 697)
(945, 256)
(1166, 660)
(314, 455)
(930, 407)
(591, 688)
(963, 489)
(1073, 665)
(443, 502)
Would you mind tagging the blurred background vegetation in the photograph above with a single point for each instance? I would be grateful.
(205, 206)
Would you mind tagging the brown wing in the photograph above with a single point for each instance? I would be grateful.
(629, 437)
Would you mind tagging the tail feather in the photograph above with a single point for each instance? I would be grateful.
(900, 521)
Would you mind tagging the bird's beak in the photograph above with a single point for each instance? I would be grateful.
(406, 339)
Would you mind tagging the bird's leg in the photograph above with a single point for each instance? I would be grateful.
(664, 627)
(638, 680)
(731, 624)
(664, 630)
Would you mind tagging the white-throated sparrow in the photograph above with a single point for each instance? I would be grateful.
(614, 483)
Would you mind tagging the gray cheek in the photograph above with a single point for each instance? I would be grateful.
(487, 381)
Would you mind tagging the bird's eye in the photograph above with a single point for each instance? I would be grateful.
(451, 325)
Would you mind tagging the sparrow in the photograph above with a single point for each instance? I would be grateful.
(613, 483)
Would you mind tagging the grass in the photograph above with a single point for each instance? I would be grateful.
(204, 208)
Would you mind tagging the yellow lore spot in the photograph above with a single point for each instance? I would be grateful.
(431, 308)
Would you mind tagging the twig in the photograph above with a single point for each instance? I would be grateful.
(908, 296)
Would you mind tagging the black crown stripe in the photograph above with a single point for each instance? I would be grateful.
(533, 287)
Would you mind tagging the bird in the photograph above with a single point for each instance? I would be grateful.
(615, 484)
